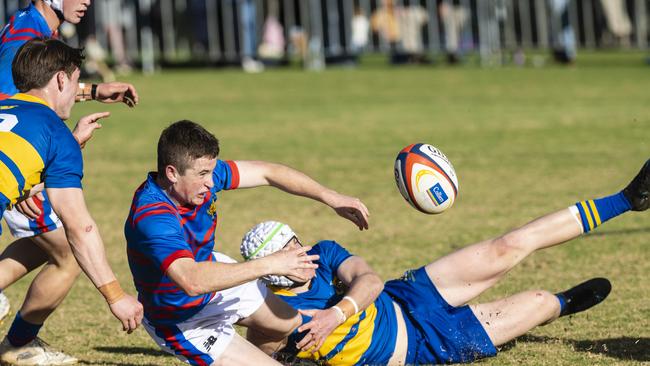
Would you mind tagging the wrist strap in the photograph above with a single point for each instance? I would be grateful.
(83, 95)
(341, 314)
(93, 92)
(112, 292)
(354, 303)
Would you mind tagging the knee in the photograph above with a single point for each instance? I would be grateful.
(508, 245)
(545, 300)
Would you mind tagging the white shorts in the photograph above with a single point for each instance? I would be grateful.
(202, 338)
(22, 227)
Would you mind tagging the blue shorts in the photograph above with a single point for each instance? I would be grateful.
(437, 331)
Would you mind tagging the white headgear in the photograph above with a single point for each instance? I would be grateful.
(55, 4)
(265, 239)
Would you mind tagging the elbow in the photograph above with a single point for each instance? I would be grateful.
(379, 286)
(190, 286)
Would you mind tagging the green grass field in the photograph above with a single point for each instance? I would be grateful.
(524, 142)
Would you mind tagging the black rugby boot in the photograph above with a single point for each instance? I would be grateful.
(638, 191)
(585, 295)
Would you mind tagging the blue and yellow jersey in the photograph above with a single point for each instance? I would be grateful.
(26, 24)
(368, 336)
(35, 146)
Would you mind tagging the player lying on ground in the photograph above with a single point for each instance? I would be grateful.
(37, 147)
(191, 294)
(350, 317)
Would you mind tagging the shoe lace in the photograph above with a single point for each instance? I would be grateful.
(46, 347)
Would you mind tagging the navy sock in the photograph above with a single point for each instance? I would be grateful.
(595, 212)
(562, 301)
(22, 331)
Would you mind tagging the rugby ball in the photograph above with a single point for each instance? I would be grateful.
(425, 178)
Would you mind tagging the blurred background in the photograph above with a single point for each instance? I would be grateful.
(121, 35)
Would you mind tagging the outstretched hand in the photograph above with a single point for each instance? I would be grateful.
(86, 126)
(116, 92)
(321, 325)
(350, 208)
(293, 262)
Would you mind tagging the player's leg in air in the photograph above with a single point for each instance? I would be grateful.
(463, 275)
(46, 292)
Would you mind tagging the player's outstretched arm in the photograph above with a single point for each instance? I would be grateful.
(196, 278)
(364, 286)
(260, 173)
(113, 92)
(88, 248)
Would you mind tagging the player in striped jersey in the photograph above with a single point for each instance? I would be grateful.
(37, 147)
(192, 295)
(349, 318)
(32, 220)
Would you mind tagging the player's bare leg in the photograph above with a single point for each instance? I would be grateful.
(466, 273)
(242, 352)
(48, 289)
(54, 281)
(513, 316)
(19, 258)
(273, 321)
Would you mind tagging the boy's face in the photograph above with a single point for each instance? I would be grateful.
(191, 187)
(74, 10)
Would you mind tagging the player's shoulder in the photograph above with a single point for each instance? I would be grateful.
(328, 249)
(152, 212)
(29, 20)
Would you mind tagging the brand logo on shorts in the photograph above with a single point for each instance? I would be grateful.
(209, 342)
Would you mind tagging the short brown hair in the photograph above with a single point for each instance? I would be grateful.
(38, 60)
(185, 141)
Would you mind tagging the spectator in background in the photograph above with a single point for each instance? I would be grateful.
(248, 19)
(401, 27)
(272, 48)
(618, 22)
(360, 29)
(111, 17)
(563, 39)
(454, 18)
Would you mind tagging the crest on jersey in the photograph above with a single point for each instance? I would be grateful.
(212, 210)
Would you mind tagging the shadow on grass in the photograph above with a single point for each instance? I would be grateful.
(135, 351)
(619, 232)
(623, 348)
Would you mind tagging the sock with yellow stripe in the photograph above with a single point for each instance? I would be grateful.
(595, 212)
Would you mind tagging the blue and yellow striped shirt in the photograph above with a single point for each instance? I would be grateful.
(35, 146)
(367, 337)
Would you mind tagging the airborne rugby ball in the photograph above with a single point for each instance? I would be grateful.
(425, 178)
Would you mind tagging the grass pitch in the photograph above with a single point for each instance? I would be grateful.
(524, 142)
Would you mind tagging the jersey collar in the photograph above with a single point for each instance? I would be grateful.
(30, 98)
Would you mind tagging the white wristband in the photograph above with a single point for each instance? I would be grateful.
(342, 315)
(354, 303)
(82, 86)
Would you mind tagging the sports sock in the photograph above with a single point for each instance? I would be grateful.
(22, 331)
(595, 212)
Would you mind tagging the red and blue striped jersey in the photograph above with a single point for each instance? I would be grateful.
(26, 24)
(158, 232)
